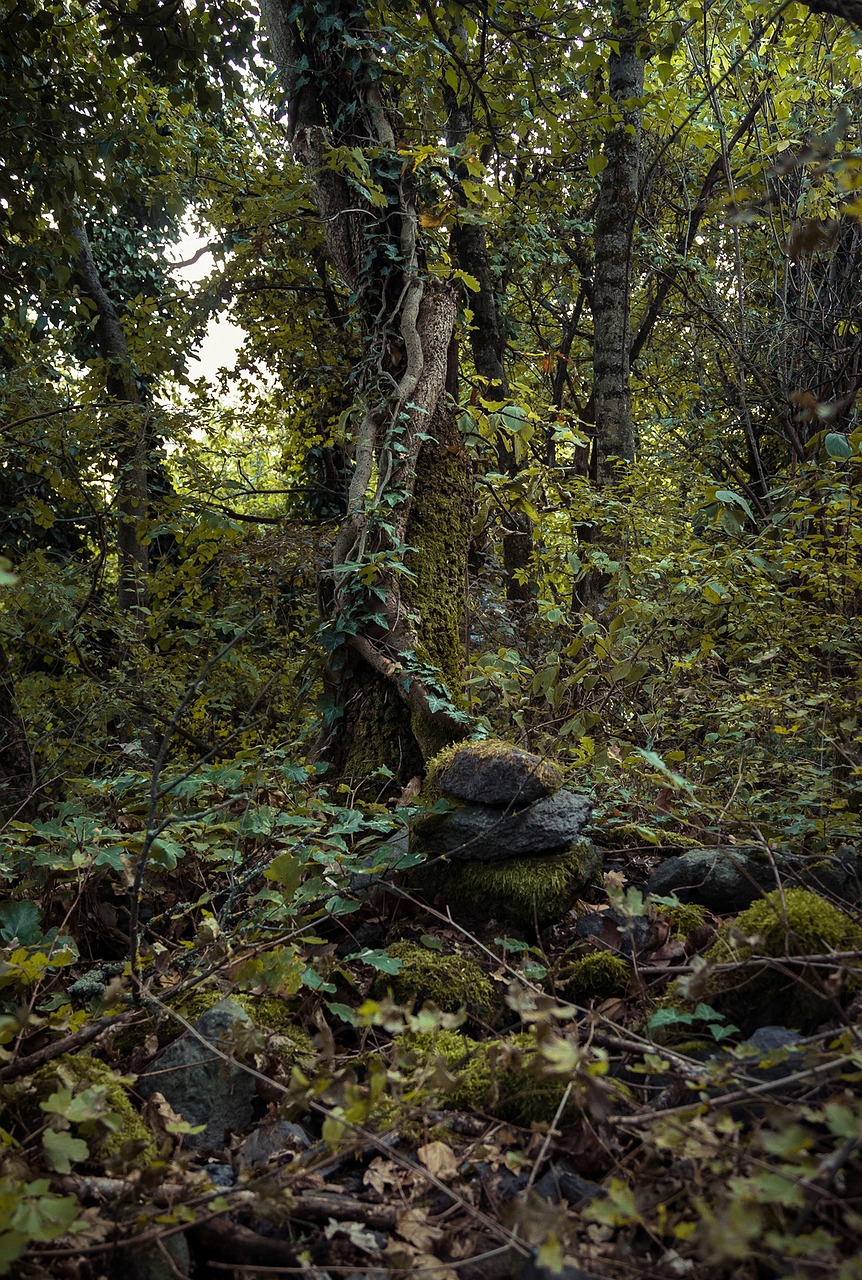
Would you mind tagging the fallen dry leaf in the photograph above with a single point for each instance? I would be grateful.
(382, 1175)
(439, 1160)
(414, 1227)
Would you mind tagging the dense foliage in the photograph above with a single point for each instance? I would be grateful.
(543, 427)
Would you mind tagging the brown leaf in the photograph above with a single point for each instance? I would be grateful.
(382, 1175)
(673, 952)
(157, 1112)
(414, 1227)
(439, 1160)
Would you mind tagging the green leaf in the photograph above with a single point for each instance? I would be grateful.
(837, 445)
(378, 960)
(21, 920)
(286, 871)
(62, 1150)
(344, 1012)
(728, 496)
(12, 1245)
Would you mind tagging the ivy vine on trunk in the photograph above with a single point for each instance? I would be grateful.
(385, 672)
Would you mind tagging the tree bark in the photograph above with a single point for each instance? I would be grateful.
(132, 487)
(389, 661)
(488, 346)
(614, 231)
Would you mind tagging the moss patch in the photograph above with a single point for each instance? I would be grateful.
(498, 1077)
(799, 924)
(451, 982)
(536, 890)
(684, 918)
(268, 1013)
(598, 976)
(113, 1123)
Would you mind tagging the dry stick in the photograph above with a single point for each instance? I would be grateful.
(77, 1039)
(382, 1269)
(826, 961)
(552, 1132)
(740, 1095)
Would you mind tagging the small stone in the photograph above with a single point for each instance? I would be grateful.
(200, 1084)
(282, 1138)
(494, 773)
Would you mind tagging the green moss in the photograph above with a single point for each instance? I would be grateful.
(268, 1013)
(546, 771)
(439, 530)
(380, 731)
(795, 923)
(523, 892)
(598, 976)
(121, 1125)
(684, 917)
(499, 1077)
(450, 982)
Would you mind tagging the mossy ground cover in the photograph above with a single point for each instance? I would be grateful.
(525, 893)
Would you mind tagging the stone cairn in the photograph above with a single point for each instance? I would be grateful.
(504, 805)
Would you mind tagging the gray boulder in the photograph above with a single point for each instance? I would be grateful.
(729, 878)
(484, 833)
(200, 1085)
(495, 773)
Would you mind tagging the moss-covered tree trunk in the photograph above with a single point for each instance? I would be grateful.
(391, 648)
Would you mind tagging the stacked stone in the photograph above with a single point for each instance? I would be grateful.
(506, 805)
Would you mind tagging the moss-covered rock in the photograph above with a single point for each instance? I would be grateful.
(526, 892)
(268, 1013)
(493, 772)
(795, 923)
(451, 982)
(499, 1077)
(598, 976)
(109, 1123)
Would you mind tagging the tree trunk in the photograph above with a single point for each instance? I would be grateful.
(470, 249)
(18, 797)
(132, 488)
(614, 230)
(390, 650)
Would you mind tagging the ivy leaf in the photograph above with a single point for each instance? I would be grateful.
(62, 1150)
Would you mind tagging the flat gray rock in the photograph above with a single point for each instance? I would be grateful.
(495, 773)
(483, 833)
(729, 878)
(200, 1085)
